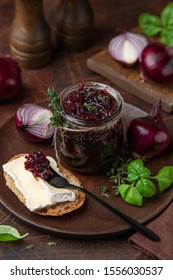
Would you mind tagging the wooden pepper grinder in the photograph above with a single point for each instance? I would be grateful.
(74, 25)
(30, 38)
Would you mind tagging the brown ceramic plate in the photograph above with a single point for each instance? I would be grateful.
(92, 220)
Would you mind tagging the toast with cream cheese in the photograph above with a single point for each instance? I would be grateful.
(36, 194)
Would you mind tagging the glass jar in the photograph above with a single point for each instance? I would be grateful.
(88, 146)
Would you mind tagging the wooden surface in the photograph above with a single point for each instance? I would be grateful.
(130, 80)
(68, 68)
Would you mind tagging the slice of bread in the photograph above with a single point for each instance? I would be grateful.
(59, 208)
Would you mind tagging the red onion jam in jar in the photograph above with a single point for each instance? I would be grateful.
(93, 135)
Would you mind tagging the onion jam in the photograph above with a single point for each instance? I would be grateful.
(89, 104)
(93, 134)
(38, 165)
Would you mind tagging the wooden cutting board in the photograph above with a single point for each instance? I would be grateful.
(130, 80)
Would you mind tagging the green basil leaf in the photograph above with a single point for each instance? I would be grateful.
(8, 233)
(136, 170)
(29, 247)
(133, 170)
(167, 15)
(130, 195)
(123, 188)
(150, 24)
(167, 35)
(165, 177)
(52, 243)
(146, 187)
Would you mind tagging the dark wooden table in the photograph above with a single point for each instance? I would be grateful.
(67, 68)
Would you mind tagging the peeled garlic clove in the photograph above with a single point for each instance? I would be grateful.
(127, 47)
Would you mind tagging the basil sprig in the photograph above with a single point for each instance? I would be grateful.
(140, 182)
(162, 26)
(8, 233)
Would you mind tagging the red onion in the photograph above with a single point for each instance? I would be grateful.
(148, 136)
(126, 47)
(33, 122)
(10, 78)
(157, 62)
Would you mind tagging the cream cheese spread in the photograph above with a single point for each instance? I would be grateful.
(37, 192)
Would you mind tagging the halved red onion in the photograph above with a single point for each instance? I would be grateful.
(127, 47)
(33, 122)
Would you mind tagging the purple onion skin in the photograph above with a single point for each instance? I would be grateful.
(25, 134)
(148, 136)
(10, 78)
(157, 62)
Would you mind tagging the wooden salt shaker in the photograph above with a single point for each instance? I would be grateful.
(30, 38)
(74, 25)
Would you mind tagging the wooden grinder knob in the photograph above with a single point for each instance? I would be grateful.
(30, 38)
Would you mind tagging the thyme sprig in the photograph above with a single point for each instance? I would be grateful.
(117, 172)
(55, 105)
(104, 191)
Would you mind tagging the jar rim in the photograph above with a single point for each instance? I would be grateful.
(112, 91)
